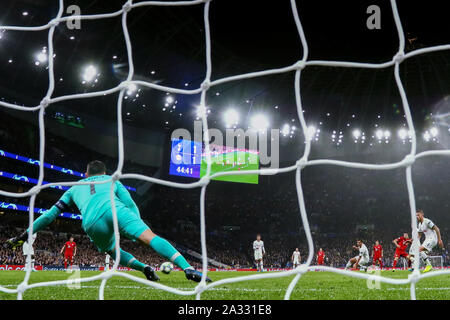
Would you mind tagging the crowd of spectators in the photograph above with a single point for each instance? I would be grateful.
(48, 245)
(342, 205)
(337, 251)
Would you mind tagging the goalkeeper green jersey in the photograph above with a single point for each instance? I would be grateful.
(92, 200)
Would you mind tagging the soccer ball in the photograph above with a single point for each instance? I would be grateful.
(166, 267)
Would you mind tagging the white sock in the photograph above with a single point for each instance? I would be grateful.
(349, 264)
(424, 257)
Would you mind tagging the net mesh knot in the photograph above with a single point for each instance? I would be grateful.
(414, 277)
(54, 23)
(125, 85)
(44, 102)
(21, 288)
(107, 274)
(409, 160)
(205, 180)
(302, 269)
(116, 176)
(301, 163)
(127, 6)
(399, 57)
(206, 85)
(300, 65)
(200, 287)
(35, 190)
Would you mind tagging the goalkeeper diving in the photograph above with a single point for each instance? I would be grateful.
(93, 201)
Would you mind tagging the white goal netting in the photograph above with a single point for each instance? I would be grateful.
(437, 261)
(300, 165)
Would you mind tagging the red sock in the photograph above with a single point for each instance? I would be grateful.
(381, 264)
(65, 264)
(395, 263)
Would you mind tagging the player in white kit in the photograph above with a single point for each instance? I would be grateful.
(296, 258)
(362, 260)
(107, 260)
(28, 248)
(432, 238)
(258, 248)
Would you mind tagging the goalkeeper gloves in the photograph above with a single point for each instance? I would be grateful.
(15, 242)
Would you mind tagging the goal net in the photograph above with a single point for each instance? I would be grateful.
(437, 261)
(298, 167)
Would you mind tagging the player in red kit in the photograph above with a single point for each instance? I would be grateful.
(401, 244)
(69, 252)
(378, 254)
(320, 257)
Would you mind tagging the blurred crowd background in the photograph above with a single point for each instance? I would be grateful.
(342, 205)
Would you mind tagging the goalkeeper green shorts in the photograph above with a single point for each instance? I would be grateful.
(102, 231)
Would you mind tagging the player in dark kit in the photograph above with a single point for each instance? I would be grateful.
(401, 244)
(378, 254)
(320, 257)
(70, 250)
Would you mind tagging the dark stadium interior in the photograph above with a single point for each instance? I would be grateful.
(169, 49)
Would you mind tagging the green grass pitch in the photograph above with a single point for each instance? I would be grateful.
(312, 286)
(224, 162)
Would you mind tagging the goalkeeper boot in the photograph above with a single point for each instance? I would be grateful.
(194, 275)
(15, 242)
(429, 267)
(150, 274)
